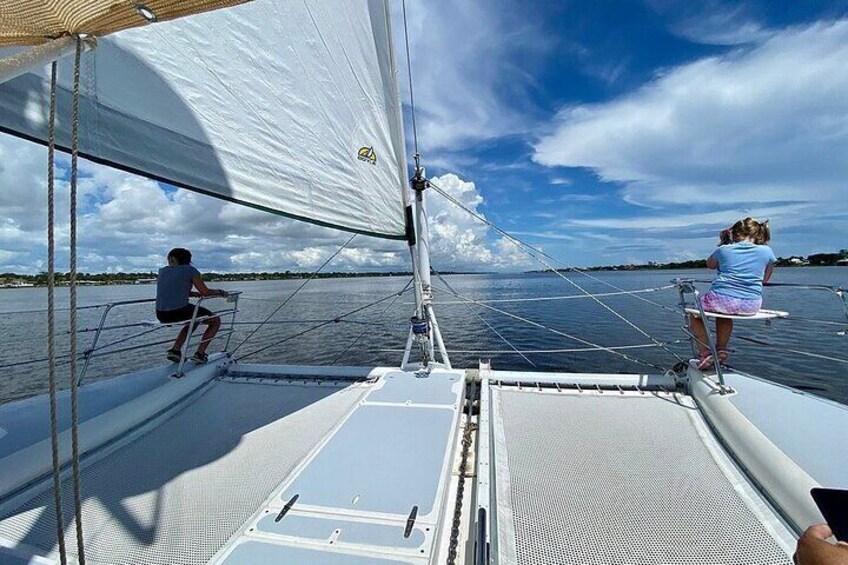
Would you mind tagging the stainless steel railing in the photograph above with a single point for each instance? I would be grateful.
(687, 286)
(96, 350)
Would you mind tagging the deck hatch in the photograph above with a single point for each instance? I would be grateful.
(385, 458)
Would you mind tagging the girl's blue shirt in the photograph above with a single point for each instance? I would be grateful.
(741, 267)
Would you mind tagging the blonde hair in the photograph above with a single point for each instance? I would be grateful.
(749, 228)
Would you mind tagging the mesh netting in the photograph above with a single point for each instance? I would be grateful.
(176, 495)
(624, 479)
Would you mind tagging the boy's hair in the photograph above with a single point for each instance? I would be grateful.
(182, 256)
(749, 228)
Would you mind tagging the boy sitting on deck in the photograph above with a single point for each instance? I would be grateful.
(173, 289)
(744, 262)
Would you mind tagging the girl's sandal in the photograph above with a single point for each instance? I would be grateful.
(705, 361)
(723, 354)
(174, 355)
(200, 358)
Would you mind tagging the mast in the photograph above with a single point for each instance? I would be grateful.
(424, 328)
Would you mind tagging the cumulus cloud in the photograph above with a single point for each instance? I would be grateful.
(127, 223)
(762, 130)
(457, 238)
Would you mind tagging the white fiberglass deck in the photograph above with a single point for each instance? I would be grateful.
(619, 477)
(177, 493)
(368, 463)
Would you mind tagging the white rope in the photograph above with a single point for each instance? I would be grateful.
(293, 294)
(73, 304)
(563, 297)
(790, 350)
(323, 324)
(558, 332)
(537, 255)
(375, 322)
(482, 319)
(544, 351)
(530, 250)
(51, 323)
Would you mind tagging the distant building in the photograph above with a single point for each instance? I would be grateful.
(842, 262)
(798, 261)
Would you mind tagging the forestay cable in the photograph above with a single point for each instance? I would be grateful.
(293, 294)
(482, 319)
(409, 73)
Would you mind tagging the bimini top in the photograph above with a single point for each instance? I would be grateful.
(289, 107)
(27, 22)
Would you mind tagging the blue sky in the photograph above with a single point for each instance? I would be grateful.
(570, 84)
(602, 131)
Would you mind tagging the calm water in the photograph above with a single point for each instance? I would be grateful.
(22, 335)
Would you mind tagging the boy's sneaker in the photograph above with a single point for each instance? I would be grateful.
(174, 355)
(200, 358)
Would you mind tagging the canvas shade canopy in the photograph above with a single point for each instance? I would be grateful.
(289, 107)
(28, 22)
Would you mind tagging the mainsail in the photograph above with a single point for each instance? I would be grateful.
(290, 107)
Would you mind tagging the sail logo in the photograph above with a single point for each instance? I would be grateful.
(367, 154)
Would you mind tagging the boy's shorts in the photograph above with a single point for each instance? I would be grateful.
(721, 304)
(183, 314)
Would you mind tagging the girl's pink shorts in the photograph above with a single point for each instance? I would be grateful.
(715, 302)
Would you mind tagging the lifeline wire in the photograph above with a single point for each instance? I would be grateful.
(73, 305)
(557, 332)
(482, 319)
(566, 296)
(51, 323)
(292, 295)
(322, 324)
(532, 252)
(371, 324)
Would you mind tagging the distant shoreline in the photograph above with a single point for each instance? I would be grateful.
(14, 280)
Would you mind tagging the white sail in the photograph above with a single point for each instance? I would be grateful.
(290, 107)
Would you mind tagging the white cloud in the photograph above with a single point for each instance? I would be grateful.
(127, 223)
(458, 239)
(467, 81)
(761, 131)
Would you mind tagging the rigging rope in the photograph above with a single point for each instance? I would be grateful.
(409, 73)
(322, 324)
(548, 351)
(558, 332)
(51, 323)
(73, 303)
(796, 351)
(374, 323)
(565, 297)
(527, 248)
(536, 253)
(482, 319)
(293, 294)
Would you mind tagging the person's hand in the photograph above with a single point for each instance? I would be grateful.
(814, 549)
